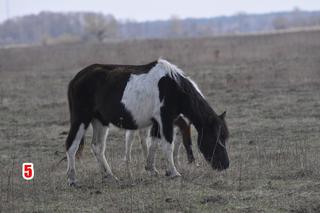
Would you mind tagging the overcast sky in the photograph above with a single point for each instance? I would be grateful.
(142, 10)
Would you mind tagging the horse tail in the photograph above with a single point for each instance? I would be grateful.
(75, 123)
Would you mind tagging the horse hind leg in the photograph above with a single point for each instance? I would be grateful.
(98, 147)
(129, 140)
(74, 138)
(144, 138)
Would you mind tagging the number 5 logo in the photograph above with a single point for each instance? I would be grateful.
(27, 171)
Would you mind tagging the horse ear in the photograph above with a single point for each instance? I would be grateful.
(223, 115)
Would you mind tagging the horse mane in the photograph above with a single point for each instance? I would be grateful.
(197, 109)
(171, 69)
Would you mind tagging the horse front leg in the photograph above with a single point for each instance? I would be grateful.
(185, 132)
(167, 142)
(186, 138)
(177, 144)
(155, 138)
(167, 148)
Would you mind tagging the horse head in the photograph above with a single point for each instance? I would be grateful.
(212, 142)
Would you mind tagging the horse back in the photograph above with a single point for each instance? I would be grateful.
(97, 90)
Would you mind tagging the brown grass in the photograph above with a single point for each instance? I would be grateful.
(269, 84)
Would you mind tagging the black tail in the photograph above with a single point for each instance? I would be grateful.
(75, 124)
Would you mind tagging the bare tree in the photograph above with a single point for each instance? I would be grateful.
(175, 27)
(100, 27)
(243, 24)
(280, 23)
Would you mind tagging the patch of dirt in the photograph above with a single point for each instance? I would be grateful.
(214, 200)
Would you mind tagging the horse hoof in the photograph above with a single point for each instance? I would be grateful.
(152, 171)
(74, 184)
(110, 179)
(122, 162)
(172, 174)
(191, 161)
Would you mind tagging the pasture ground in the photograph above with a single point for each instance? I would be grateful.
(269, 85)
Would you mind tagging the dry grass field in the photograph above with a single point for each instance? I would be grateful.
(269, 85)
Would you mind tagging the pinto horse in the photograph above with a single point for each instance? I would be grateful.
(137, 96)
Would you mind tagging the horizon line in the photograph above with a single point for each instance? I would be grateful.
(157, 19)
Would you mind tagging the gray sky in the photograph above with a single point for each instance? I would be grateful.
(142, 10)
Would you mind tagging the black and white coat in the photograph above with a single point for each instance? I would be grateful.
(134, 97)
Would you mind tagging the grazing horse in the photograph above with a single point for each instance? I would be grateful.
(137, 96)
(184, 127)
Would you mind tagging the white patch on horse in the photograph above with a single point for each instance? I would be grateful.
(141, 95)
(172, 69)
(185, 119)
(76, 142)
(168, 151)
(129, 141)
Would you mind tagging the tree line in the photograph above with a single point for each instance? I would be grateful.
(49, 27)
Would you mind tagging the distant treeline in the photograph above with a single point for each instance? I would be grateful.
(48, 27)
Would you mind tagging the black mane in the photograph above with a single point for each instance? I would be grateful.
(194, 105)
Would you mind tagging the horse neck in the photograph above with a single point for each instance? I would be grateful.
(198, 112)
